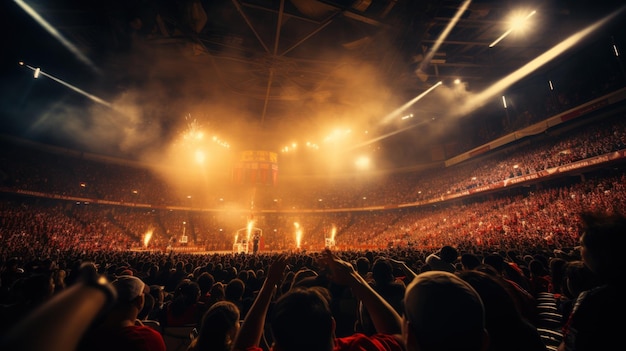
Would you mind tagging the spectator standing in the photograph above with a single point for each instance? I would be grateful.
(302, 320)
(390, 289)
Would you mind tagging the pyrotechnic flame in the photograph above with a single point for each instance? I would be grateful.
(146, 237)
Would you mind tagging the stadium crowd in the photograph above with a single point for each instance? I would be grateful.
(535, 265)
(527, 236)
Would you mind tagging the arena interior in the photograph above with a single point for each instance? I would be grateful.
(200, 131)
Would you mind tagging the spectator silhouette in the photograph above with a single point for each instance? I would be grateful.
(233, 292)
(589, 327)
(121, 330)
(443, 260)
(218, 328)
(385, 284)
(185, 308)
(578, 278)
(540, 279)
(508, 329)
(525, 300)
(302, 319)
(28, 294)
(469, 261)
(205, 281)
(443, 312)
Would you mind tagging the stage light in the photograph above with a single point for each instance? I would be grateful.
(38, 72)
(516, 24)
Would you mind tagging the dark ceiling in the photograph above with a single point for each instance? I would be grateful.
(274, 57)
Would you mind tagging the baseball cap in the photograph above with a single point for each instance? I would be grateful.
(129, 287)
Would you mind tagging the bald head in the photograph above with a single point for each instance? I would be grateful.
(443, 313)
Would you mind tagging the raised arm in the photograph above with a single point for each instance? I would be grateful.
(59, 324)
(251, 330)
(409, 273)
(385, 319)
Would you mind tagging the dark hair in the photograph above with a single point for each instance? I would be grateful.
(218, 321)
(470, 261)
(382, 271)
(496, 261)
(603, 241)
(302, 320)
(217, 291)
(234, 289)
(205, 281)
(505, 324)
(186, 294)
(579, 278)
(362, 264)
(449, 253)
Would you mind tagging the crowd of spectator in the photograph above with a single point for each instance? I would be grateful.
(183, 288)
(536, 213)
(518, 243)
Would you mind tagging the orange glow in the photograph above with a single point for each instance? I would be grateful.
(146, 237)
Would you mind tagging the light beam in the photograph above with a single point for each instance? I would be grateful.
(50, 29)
(443, 35)
(38, 72)
(536, 63)
(399, 110)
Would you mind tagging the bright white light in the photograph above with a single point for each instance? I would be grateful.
(503, 101)
(249, 229)
(363, 162)
(517, 23)
(37, 71)
(298, 234)
(200, 157)
(146, 237)
(337, 135)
